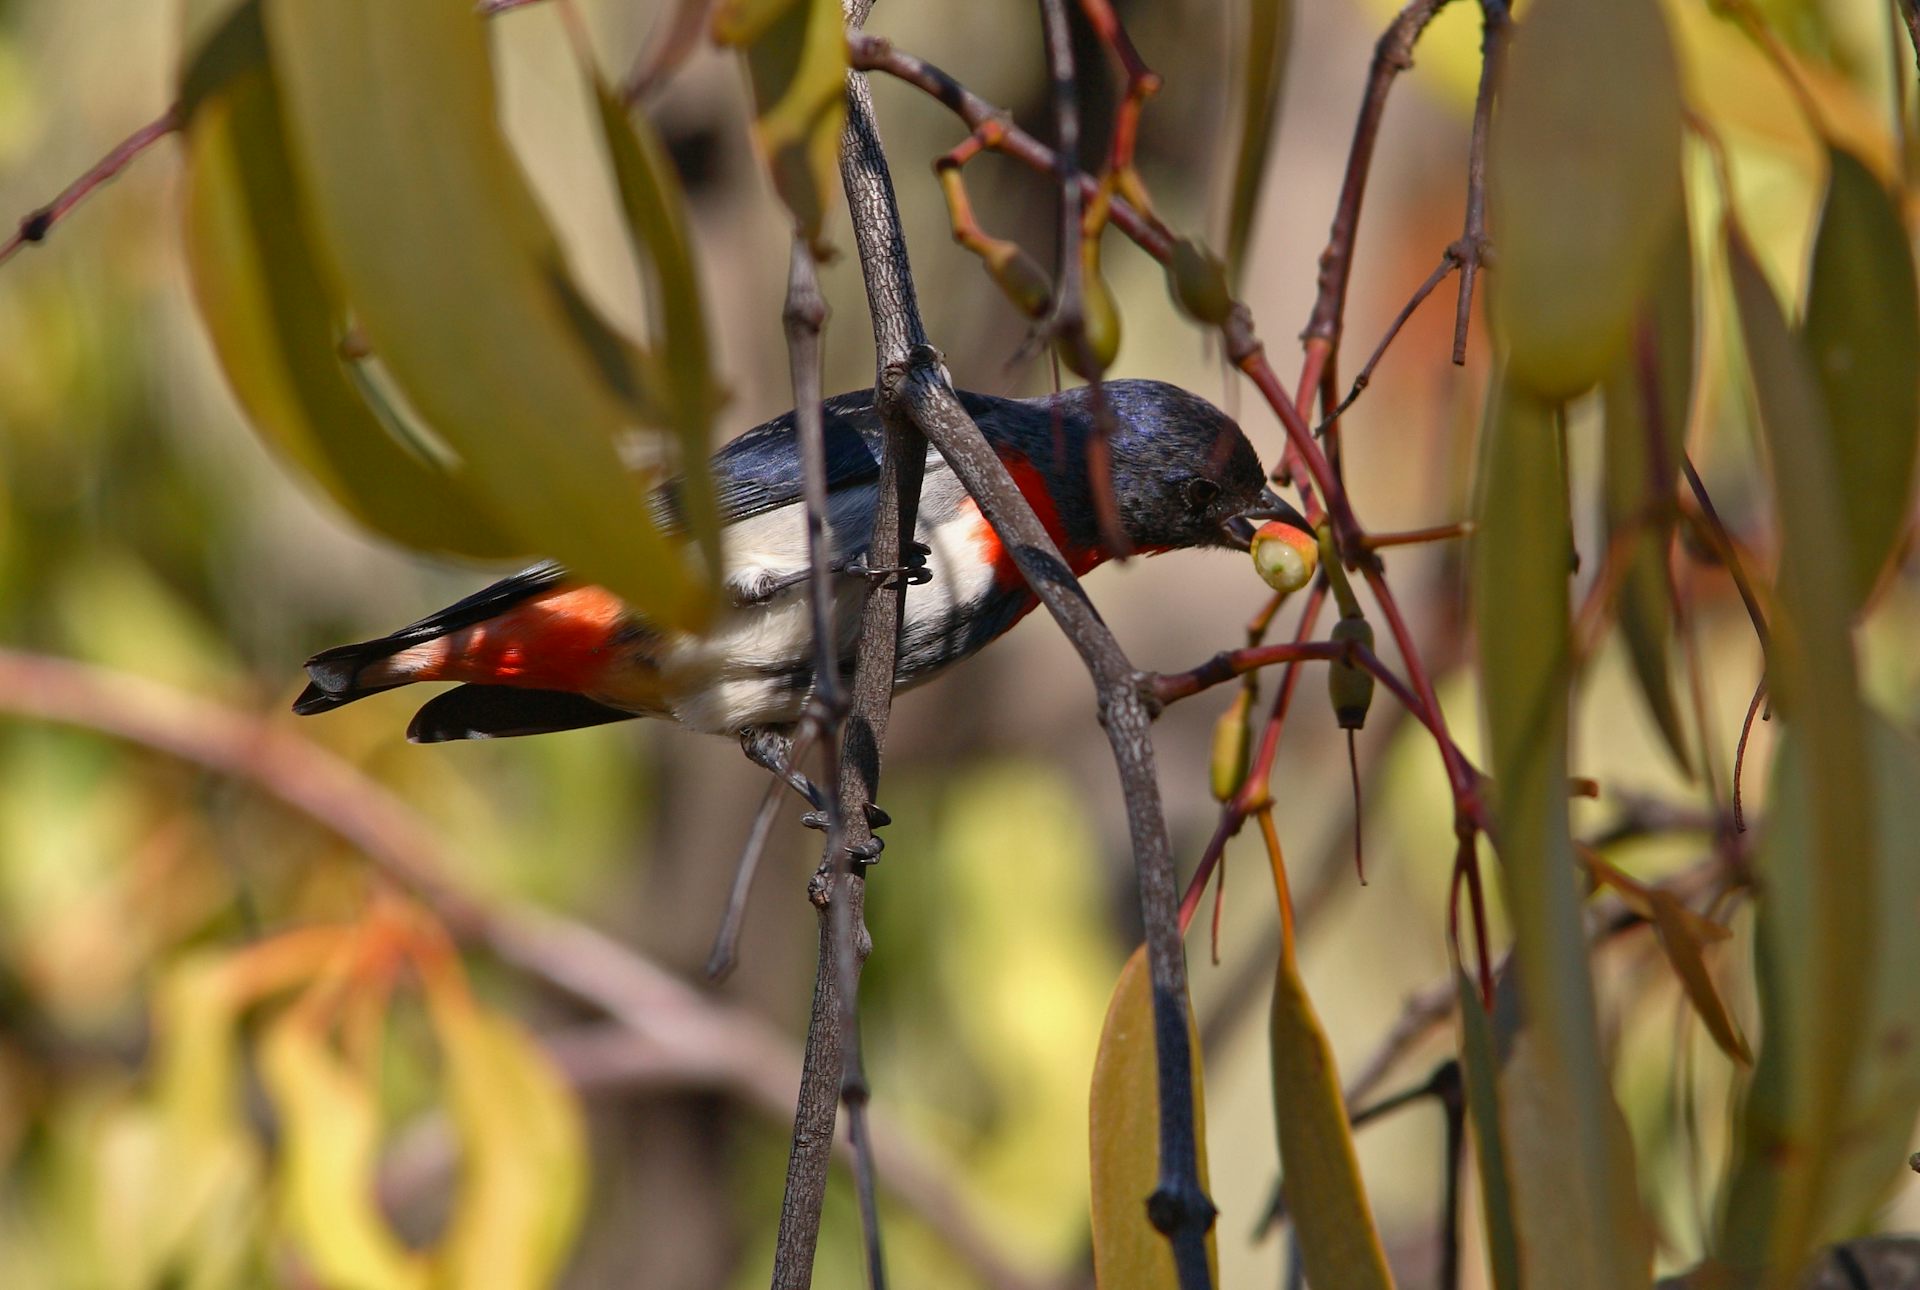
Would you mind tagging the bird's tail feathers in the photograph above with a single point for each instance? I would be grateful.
(337, 676)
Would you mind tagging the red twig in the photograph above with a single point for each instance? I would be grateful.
(35, 226)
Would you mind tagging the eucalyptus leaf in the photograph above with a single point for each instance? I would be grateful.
(1584, 175)
(1648, 392)
(1579, 1208)
(1821, 898)
(1266, 42)
(276, 321)
(1124, 1134)
(796, 57)
(459, 284)
(1862, 331)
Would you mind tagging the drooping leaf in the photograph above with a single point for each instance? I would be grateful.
(1584, 168)
(1325, 1194)
(796, 56)
(1648, 392)
(1863, 333)
(459, 284)
(329, 1118)
(277, 323)
(1821, 898)
(1480, 1071)
(1125, 1139)
(656, 217)
(523, 1182)
(1268, 38)
(1683, 936)
(1560, 1092)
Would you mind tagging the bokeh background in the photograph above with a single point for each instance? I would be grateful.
(144, 529)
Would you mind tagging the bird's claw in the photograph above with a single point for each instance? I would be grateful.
(876, 818)
(913, 572)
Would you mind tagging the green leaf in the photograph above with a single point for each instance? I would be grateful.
(1480, 1073)
(1822, 898)
(1648, 393)
(1863, 332)
(1573, 1152)
(523, 1153)
(1325, 1194)
(276, 322)
(1124, 1124)
(459, 284)
(1584, 167)
(1268, 38)
(656, 217)
(796, 56)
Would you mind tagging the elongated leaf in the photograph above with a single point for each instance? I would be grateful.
(655, 211)
(1649, 390)
(1811, 1010)
(1560, 1091)
(330, 1135)
(1480, 1071)
(1584, 166)
(276, 323)
(1125, 1139)
(1263, 62)
(796, 56)
(1863, 332)
(1325, 1194)
(1684, 937)
(460, 286)
(523, 1183)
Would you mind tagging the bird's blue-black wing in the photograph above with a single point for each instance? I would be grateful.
(760, 470)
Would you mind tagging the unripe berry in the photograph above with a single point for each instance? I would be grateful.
(1349, 684)
(1199, 282)
(1285, 557)
(1024, 281)
(1232, 740)
(1100, 319)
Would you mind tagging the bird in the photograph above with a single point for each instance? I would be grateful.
(540, 651)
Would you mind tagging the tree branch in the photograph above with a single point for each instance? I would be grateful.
(1179, 1206)
(35, 225)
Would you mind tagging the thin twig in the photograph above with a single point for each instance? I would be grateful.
(725, 954)
(35, 225)
(1450, 260)
(1910, 12)
(1495, 25)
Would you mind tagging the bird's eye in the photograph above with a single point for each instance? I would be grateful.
(1200, 493)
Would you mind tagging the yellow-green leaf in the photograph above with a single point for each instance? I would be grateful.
(796, 57)
(1825, 892)
(1263, 63)
(1325, 1195)
(1128, 1253)
(1863, 333)
(1648, 392)
(1522, 550)
(1684, 937)
(523, 1181)
(1480, 1070)
(1584, 168)
(457, 280)
(276, 322)
(329, 1120)
(655, 211)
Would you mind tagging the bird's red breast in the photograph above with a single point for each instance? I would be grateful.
(1033, 486)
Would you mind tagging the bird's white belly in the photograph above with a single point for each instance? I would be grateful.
(755, 667)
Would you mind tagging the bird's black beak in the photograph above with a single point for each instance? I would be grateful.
(1268, 506)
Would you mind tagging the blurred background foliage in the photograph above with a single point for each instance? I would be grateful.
(151, 913)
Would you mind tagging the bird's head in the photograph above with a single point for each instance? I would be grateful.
(1183, 473)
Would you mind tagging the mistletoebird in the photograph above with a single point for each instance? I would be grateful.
(540, 651)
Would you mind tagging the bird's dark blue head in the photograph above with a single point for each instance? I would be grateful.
(1183, 473)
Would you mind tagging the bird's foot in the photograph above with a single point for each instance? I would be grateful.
(913, 571)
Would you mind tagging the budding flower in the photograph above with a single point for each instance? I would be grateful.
(1232, 741)
(1285, 557)
(1199, 282)
(1350, 685)
(1100, 318)
(1025, 283)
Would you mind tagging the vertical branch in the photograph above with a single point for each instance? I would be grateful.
(832, 1070)
(1179, 1206)
(1495, 23)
